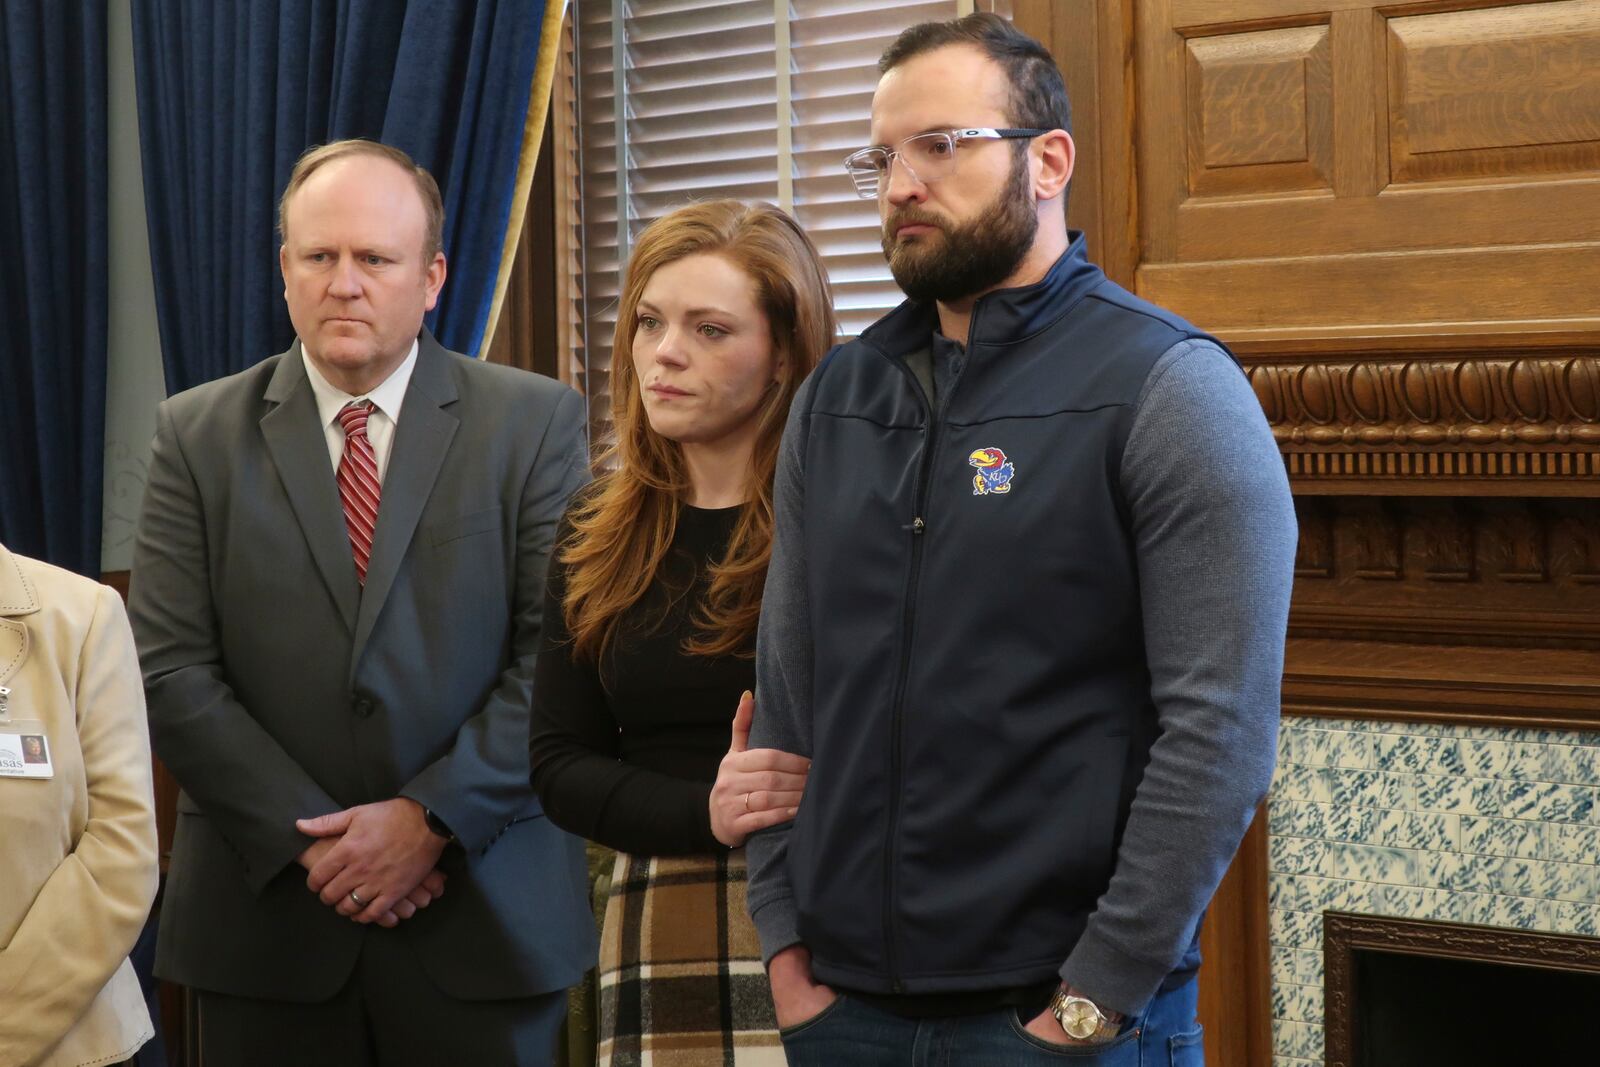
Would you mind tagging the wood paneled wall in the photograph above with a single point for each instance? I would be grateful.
(1366, 169)
(1391, 212)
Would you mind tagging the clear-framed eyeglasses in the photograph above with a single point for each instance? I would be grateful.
(928, 156)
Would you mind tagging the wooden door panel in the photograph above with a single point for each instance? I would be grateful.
(1429, 165)
(1259, 112)
(1497, 92)
(1467, 290)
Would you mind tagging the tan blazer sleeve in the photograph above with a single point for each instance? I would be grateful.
(85, 920)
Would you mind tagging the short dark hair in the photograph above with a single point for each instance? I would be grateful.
(1038, 96)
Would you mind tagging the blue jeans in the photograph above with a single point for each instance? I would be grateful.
(849, 1032)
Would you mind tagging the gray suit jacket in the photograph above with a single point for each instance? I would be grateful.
(279, 688)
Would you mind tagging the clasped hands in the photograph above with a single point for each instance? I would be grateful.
(384, 853)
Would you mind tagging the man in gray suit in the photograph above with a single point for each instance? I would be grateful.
(336, 594)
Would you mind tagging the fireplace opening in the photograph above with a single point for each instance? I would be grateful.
(1415, 993)
(1432, 1011)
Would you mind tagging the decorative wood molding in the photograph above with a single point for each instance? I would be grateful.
(1453, 570)
(1515, 688)
(1477, 610)
(1412, 417)
(1344, 934)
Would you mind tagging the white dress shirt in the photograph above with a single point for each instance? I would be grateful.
(381, 421)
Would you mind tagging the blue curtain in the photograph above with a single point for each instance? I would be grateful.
(232, 91)
(52, 279)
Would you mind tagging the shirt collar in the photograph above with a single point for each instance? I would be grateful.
(387, 397)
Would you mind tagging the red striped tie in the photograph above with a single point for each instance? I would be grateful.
(358, 483)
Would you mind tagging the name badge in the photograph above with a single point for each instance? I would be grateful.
(25, 751)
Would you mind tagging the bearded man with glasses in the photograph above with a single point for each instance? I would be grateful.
(1025, 615)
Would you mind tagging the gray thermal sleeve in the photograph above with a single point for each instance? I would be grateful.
(783, 680)
(1214, 531)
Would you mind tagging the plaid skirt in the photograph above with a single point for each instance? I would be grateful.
(681, 980)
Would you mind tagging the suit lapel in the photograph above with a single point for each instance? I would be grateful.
(17, 597)
(299, 450)
(421, 440)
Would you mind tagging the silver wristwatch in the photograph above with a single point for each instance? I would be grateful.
(1082, 1018)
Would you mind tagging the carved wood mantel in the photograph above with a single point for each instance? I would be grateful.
(1449, 507)
(1513, 423)
(1449, 503)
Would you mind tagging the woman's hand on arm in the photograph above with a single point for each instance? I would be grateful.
(755, 788)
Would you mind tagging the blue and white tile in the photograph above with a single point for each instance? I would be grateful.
(1568, 843)
(1301, 783)
(1417, 755)
(1307, 967)
(1298, 1040)
(1314, 748)
(1292, 747)
(1403, 752)
(1349, 749)
(1572, 764)
(1422, 830)
(1347, 788)
(1486, 759)
(1310, 1003)
(1303, 818)
(1446, 758)
(1361, 898)
(1372, 863)
(1281, 962)
(1506, 875)
(1527, 763)
(1457, 794)
(1492, 733)
(1360, 824)
(1299, 892)
(1297, 855)
(1502, 837)
(1294, 929)
(1410, 902)
(1578, 882)
(1548, 802)
(1465, 907)
(1421, 729)
(1439, 870)
(1559, 737)
(1577, 918)
(1293, 1002)
(1517, 913)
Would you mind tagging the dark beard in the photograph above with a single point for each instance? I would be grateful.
(975, 256)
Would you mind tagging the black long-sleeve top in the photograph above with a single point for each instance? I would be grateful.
(624, 751)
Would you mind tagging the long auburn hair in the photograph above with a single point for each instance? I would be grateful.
(623, 525)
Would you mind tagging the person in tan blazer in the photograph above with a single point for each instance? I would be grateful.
(78, 858)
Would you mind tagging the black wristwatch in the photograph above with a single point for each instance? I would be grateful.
(436, 824)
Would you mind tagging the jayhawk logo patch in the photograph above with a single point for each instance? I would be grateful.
(994, 472)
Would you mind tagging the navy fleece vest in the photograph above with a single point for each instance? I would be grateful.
(982, 709)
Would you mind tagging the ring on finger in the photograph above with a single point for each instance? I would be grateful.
(747, 802)
(358, 901)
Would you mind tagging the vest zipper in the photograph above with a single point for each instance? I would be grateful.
(897, 706)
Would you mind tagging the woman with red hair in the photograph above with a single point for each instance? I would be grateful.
(650, 622)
